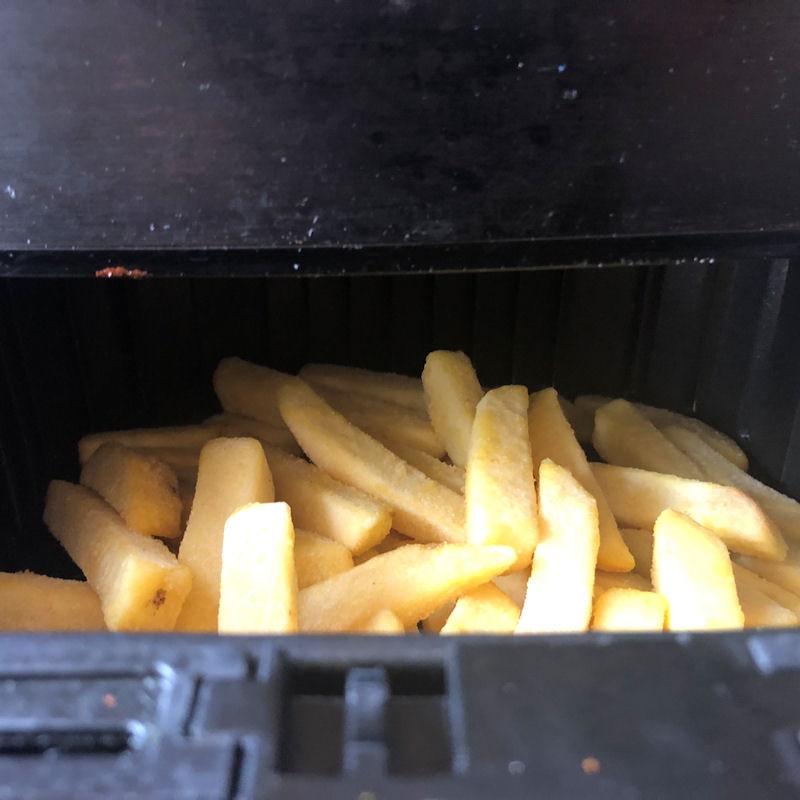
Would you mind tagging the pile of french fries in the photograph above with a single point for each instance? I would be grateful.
(345, 500)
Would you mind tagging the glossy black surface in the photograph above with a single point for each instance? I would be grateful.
(138, 124)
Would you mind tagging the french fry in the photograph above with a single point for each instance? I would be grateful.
(258, 583)
(391, 541)
(745, 579)
(34, 602)
(317, 558)
(268, 433)
(384, 621)
(640, 543)
(580, 420)
(486, 609)
(552, 437)
(662, 418)
(760, 610)
(782, 509)
(629, 610)
(143, 490)
(412, 581)
(622, 436)
(182, 461)
(559, 595)
(183, 437)
(389, 386)
(514, 584)
(325, 505)
(232, 474)
(448, 475)
(603, 581)
(785, 573)
(140, 584)
(386, 422)
(692, 569)
(638, 496)
(499, 488)
(250, 390)
(452, 392)
(434, 622)
(421, 507)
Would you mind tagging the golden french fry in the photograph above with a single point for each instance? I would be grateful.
(143, 490)
(552, 437)
(761, 611)
(317, 558)
(250, 390)
(692, 569)
(448, 475)
(387, 422)
(559, 594)
(603, 581)
(745, 579)
(412, 581)
(452, 392)
(34, 602)
(183, 437)
(499, 488)
(782, 509)
(421, 507)
(624, 437)
(389, 386)
(325, 505)
(486, 609)
(638, 496)
(268, 433)
(384, 621)
(620, 609)
(258, 583)
(640, 543)
(232, 474)
(514, 584)
(785, 573)
(140, 584)
(662, 418)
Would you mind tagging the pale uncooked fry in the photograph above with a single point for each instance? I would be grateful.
(692, 569)
(559, 594)
(317, 558)
(389, 386)
(745, 579)
(581, 421)
(782, 509)
(452, 392)
(232, 474)
(386, 422)
(623, 436)
(514, 584)
(34, 602)
(448, 475)
(640, 543)
(421, 507)
(760, 610)
(552, 437)
(188, 437)
(638, 496)
(182, 460)
(142, 489)
(250, 390)
(268, 433)
(499, 488)
(603, 581)
(258, 583)
(662, 417)
(140, 584)
(384, 621)
(325, 505)
(412, 581)
(485, 609)
(785, 573)
(629, 610)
